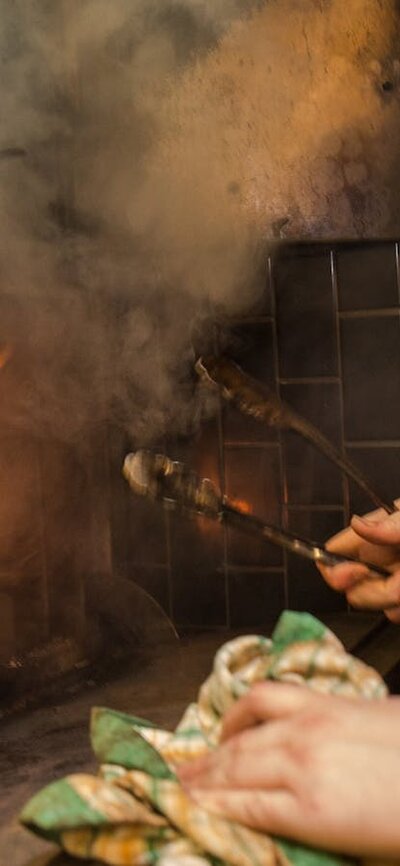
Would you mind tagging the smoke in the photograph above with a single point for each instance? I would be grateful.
(109, 257)
(147, 152)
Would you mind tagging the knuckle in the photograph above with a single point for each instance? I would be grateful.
(253, 811)
(394, 600)
(233, 758)
(235, 748)
(317, 720)
(343, 576)
(313, 800)
(257, 695)
(332, 575)
(396, 589)
(393, 528)
(259, 699)
(391, 591)
(302, 748)
(306, 780)
(393, 614)
(297, 751)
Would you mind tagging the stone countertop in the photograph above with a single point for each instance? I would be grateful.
(41, 745)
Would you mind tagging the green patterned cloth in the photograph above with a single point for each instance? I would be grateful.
(135, 812)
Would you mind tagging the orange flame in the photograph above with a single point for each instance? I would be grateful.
(241, 505)
(5, 354)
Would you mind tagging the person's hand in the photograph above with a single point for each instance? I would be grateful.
(374, 538)
(322, 770)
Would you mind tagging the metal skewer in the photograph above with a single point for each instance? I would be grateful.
(177, 486)
(254, 399)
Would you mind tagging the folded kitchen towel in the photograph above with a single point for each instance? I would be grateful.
(135, 812)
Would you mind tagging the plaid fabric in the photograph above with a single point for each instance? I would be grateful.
(135, 812)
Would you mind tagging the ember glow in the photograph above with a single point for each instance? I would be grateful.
(241, 505)
(5, 354)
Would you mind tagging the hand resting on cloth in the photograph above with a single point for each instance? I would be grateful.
(321, 769)
(146, 807)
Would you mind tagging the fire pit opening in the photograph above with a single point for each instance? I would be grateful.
(324, 336)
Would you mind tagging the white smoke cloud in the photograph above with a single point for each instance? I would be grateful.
(147, 152)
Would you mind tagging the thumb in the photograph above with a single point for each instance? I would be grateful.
(386, 531)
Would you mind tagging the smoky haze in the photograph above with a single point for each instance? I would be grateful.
(107, 261)
(111, 259)
(147, 151)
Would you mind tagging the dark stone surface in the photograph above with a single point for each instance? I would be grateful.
(255, 597)
(305, 316)
(383, 468)
(367, 277)
(311, 477)
(198, 588)
(371, 377)
(49, 742)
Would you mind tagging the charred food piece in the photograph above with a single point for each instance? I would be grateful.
(175, 485)
(258, 401)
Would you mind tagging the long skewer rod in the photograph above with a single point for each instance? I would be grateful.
(258, 401)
